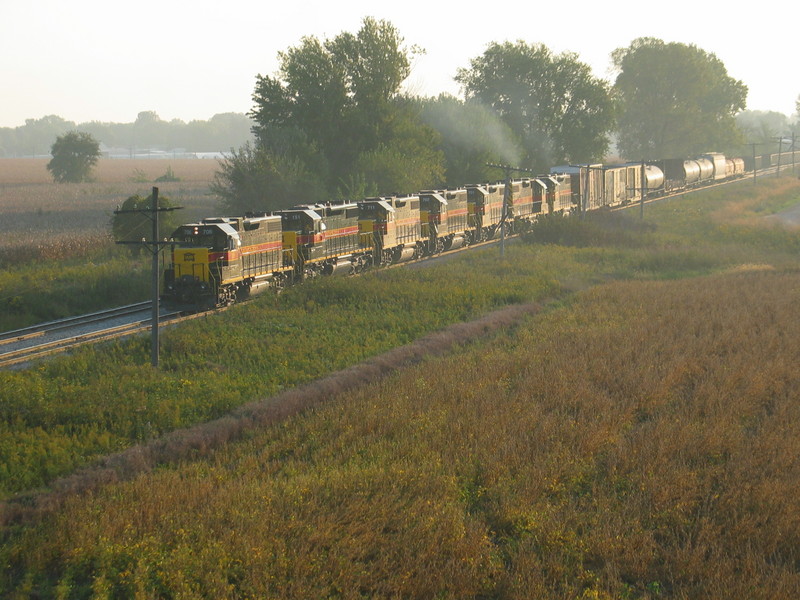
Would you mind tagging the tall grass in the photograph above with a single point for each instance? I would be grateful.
(210, 366)
(634, 444)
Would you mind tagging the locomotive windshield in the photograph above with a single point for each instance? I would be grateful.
(201, 237)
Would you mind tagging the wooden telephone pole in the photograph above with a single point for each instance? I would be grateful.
(154, 246)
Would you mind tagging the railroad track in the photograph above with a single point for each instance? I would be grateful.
(24, 345)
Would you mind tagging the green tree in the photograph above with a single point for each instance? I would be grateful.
(335, 106)
(256, 179)
(409, 159)
(762, 128)
(132, 226)
(557, 109)
(37, 135)
(675, 100)
(74, 155)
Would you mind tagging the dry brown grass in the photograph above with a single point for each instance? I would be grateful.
(18, 171)
(55, 218)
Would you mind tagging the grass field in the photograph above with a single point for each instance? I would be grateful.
(634, 436)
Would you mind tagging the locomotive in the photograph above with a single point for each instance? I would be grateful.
(220, 260)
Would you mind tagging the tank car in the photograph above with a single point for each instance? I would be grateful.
(719, 165)
(734, 167)
(653, 180)
(706, 166)
(217, 260)
(680, 173)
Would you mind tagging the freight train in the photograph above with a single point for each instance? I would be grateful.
(220, 260)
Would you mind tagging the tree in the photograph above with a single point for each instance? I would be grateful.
(74, 155)
(37, 135)
(131, 226)
(255, 179)
(675, 100)
(408, 161)
(552, 103)
(335, 106)
(762, 128)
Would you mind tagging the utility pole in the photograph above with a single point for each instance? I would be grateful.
(154, 247)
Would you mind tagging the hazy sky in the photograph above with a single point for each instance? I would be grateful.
(91, 60)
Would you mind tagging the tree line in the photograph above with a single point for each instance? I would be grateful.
(220, 133)
(333, 122)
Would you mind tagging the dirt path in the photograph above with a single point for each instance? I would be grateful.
(789, 217)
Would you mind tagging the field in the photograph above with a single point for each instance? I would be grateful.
(53, 236)
(617, 418)
(37, 211)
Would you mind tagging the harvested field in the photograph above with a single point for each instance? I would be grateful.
(38, 211)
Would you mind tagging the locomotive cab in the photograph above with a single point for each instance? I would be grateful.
(200, 260)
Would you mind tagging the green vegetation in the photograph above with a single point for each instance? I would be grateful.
(74, 155)
(73, 277)
(133, 220)
(675, 100)
(220, 133)
(631, 441)
(57, 257)
(557, 110)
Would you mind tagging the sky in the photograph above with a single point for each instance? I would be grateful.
(92, 60)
